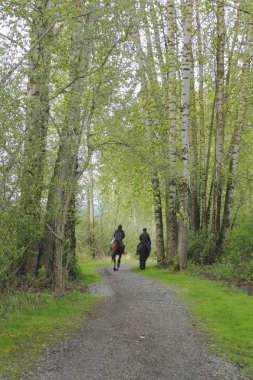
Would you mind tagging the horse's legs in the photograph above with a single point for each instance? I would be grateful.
(114, 262)
(119, 259)
(142, 261)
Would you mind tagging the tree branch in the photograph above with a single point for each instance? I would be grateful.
(132, 147)
(13, 41)
(54, 233)
(61, 91)
(48, 30)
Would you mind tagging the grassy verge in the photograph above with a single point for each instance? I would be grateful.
(89, 273)
(226, 313)
(30, 322)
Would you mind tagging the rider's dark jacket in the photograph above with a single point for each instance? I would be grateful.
(144, 236)
(119, 235)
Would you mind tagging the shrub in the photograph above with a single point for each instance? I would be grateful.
(201, 249)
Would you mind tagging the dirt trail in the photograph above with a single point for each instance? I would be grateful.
(138, 332)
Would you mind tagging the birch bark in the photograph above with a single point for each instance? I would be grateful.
(220, 14)
(185, 103)
(171, 183)
(203, 182)
(186, 9)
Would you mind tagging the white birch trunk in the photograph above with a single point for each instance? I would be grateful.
(185, 103)
(171, 182)
(185, 122)
(203, 182)
(219, 119)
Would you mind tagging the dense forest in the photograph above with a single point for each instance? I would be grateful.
(134, 112)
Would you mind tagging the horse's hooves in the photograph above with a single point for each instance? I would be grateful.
(115, 269)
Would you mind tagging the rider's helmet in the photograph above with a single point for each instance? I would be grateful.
(144, 229)
(119, 226)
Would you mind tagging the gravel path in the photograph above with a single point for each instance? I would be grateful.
(138, 332)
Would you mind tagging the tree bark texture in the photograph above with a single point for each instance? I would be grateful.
(218, 182)
(171, 180)
(185, 104)
(63, 183)
(201, 101)
(37, 110)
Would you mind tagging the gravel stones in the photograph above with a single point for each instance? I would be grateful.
(139, 332)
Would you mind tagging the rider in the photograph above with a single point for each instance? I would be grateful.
(119, 235)
(144, 236)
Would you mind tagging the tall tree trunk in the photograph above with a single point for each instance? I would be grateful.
(185, 104)
(90, 213)
(158, 219)
(63, 183)
(182, 242)
(236, 139)
(185, 121)
(157, 33)
(171, 181)
(69, 264)
(35, 145)
(203, 169)
(219, 120)
(193, 157)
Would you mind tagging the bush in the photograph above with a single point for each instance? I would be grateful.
(201, 249)
(239, 246)
(236, 260)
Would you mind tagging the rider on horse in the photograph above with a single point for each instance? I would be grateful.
(145, 237)
(117, 246)
(144, 248)
(119, 235)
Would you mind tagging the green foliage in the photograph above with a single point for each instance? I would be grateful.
(225, 313)
(200, 248)
(239, 246)
(9, 254)
(74, 270)
(236, 260)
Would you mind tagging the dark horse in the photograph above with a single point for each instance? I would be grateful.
(143, 250)
(117, 248)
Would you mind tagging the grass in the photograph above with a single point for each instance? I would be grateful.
(226, 313)
(30, 322)
(89, 273)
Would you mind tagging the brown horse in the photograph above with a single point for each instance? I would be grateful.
(117, 248)
(143, 250)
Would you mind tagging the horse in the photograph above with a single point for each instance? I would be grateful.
(117, 248)
(143, 250)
